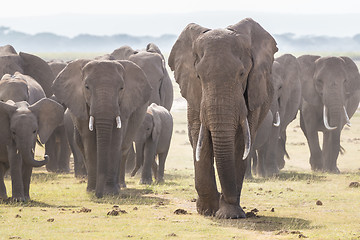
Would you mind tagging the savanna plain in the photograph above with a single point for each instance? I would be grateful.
(297, 203)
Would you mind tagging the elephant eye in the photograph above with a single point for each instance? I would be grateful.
(86, 86)
(13, 132)
(34, 131)
(147, 129)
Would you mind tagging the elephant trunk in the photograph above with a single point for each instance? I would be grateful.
(104, 129)
(27, 155)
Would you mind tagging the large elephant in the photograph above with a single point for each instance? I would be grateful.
(153, 139)
(286, 81)
(224, 74)
(108, 101)
(20, 124)
(57, 147)
(152, 62)
(330, 97)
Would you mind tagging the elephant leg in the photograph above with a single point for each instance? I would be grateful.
(308, 123)
(112, 186)
(50, 150)
(130, 160)
(149, 158)
(26, 176)
(249, 160)
(139, 157)
(90, 153)
(3, 169)
(281, 150)
(161, 168)
(331, 148)
(208, 201)
(260, 169)
(77, 149)
(155, 168)
(63, 151)
(15, 162)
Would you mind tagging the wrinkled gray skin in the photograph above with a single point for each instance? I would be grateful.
(333, 82)
(57, 147)
(152, 62)
(286, 102)
(20, 124)
(154, 140)
(33, 66)
(71, 133)
(224, 74)
(259, 146)
(98, 93)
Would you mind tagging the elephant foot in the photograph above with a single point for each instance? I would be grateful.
(146, 181)
(332, 170)
(229, 211)
(122, 185)
(51, 168)
(207, 207)
(111, 190)
(19, 199)
(160, 181)
(271, 172)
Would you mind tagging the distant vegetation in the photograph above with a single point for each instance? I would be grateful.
(50, 42)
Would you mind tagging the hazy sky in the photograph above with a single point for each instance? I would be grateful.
(46, 7)
(151, 17)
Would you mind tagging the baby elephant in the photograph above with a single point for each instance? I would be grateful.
(20, 124)
(153, 139)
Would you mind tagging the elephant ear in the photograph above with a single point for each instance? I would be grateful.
(307, 72)
(262, 47)
(137, 89)
(6, 111)
(50, 115)
(353, 77)
(39, 70)
(182, 62)
(68, 90)
(155, 134)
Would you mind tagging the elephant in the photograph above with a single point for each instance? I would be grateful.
(57, 147)
(108, 102)
(224, 74)
(32, 114)
(154, 140)
(330, 97)
(152, 62)
(286, 81)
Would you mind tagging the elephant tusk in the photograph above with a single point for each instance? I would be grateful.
(325, 118)
(277, 117)
(199, 143)
(118, 122)
(347, 117)
(91, 123)
(247, 139)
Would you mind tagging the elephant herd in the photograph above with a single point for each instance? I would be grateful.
(240, 102)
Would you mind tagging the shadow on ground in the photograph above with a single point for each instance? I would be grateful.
(132, 196)
(31, 203)
(296, 176)
(266, 223)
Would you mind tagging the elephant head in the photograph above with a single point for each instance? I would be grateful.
(21, 123)
(225, 75)
(11, 62)
(104, 93)
(330, 83)
(152, 62)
